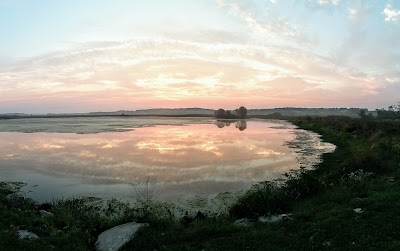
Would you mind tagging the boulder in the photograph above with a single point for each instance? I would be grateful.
(113, 239)
(44, 213)
(274, 218)
(25, 234)
(244, 222)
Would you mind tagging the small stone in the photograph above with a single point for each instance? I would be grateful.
(358, 210)
(244, 222)
(274, 218)
(114, 238)
(25, 234)
(390, 179)
(44, 213)
(326, 243)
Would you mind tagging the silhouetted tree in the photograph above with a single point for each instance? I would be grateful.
(393, 112)
(241, 112)
(220, 113)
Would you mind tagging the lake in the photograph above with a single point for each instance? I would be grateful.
(122, 157)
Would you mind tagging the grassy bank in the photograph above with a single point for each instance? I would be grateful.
(362, 174)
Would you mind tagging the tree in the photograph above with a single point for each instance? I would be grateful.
(220, 113)
(241, 112)
(393, 112)
(363, 113)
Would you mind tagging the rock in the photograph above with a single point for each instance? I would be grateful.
(44, 213)
(358, 210)
(274, 218)
(114, 238)
(25, 234)
(326, 243)
(244, 222)
(15, 196)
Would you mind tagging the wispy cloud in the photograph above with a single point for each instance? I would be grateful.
(264, 21)
(201, 74)
(269, 51)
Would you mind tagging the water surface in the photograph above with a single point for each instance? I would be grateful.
(108, 157)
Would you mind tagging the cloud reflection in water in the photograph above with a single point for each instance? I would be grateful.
(196, 157)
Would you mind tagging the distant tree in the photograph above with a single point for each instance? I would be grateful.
(228, 113)
(241, 112)
(220, 113)
(393, 112)
(363, 113)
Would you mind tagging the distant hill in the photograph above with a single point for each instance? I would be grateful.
(162, 112)
(287, 111)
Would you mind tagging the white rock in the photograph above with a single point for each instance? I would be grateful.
(273, 218)
(326, 243)
(114, 238)
(358, 210)
(44, 213)
(25, 234)
(244, 222)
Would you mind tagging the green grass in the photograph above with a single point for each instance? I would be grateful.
(364, 172)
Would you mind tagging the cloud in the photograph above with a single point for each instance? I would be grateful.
(328, 2)
(267, 58)
(391, 14)
(360, 11)
(174, 73)
(264, 21)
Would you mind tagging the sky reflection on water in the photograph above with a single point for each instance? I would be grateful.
(194, 159)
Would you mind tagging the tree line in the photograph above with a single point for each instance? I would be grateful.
(392, 112)
(241, 113)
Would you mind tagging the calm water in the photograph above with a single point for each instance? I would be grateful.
(179, 158)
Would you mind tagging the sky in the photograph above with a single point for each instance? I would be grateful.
(103, 55)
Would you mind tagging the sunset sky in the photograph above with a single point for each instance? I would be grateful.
(98, 55)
